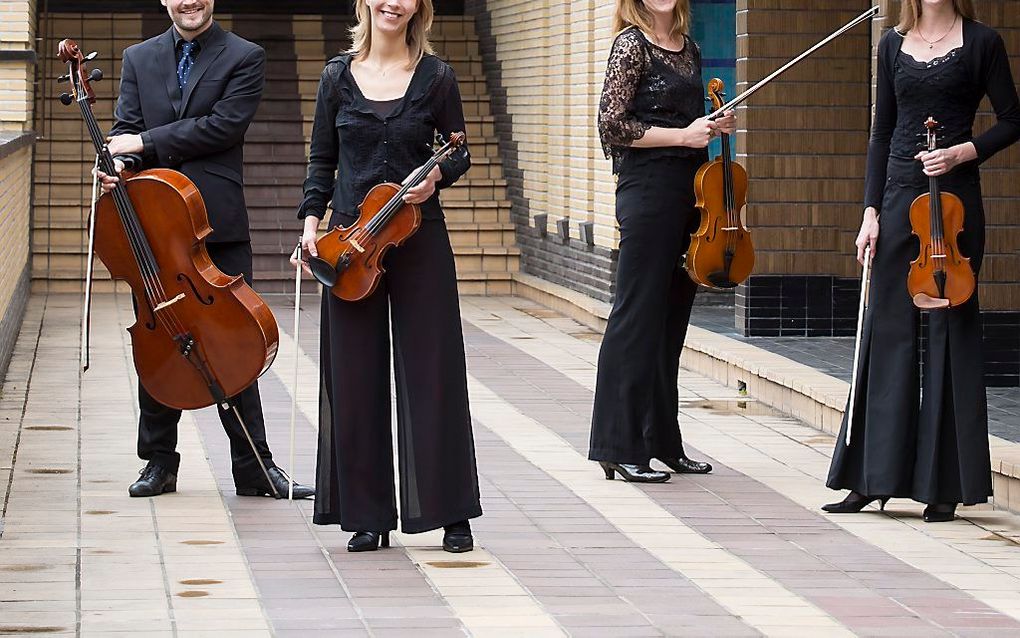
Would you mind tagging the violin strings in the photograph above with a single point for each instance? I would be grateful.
(396, 202)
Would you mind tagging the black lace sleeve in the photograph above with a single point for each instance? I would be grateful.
(627, 63)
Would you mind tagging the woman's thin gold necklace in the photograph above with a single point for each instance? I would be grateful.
(932, 43)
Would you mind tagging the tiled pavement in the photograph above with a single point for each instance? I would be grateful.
(834, 356)
(741, 552)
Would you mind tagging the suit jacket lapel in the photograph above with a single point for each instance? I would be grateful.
(167, 64)
(213, 47)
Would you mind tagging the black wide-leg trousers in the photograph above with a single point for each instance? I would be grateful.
(636, 399)
(932, 448)
(157, 425)
(416, 299)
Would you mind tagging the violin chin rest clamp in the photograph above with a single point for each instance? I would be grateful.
(323, 271)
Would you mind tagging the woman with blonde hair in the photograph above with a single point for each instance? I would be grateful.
(938, 62)
(378, 108)
(652, 126)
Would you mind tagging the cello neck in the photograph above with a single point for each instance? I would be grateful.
(129, 218)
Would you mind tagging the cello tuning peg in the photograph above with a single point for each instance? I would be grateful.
(63, 78)
(91, 56)
(95, 75)
(66, 99)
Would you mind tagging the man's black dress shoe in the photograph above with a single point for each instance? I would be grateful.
(457, 538)
(684, 465)
(854, 503)
(282, 484)
(633, 473)
(941, 513)
(155, 480)
(368, 541)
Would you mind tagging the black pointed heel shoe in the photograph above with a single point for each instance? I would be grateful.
(854, 502)
(941, 513)
(633, 473)
(684, 465)
(368, 541)
(457, 538)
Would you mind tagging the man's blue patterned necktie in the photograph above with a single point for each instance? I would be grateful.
(184, 66)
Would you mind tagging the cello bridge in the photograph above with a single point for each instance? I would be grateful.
(167, 304)
(731, 228)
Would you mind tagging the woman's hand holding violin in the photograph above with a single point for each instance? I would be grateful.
(423, 191)
(727, 123)
(942, 160)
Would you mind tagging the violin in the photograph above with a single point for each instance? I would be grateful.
(940, 277)
(350, 259)
(200, 336)
(721, 254)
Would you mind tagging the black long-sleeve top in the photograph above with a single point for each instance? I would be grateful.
(645, 86)
(353, 148)
(950, 91)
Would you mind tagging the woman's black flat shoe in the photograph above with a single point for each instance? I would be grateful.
(633, 473)
(684, 465)
(457, 538)
(854, 503)
(368, 541)
(941, 513)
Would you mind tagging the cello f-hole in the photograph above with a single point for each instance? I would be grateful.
(206, 301)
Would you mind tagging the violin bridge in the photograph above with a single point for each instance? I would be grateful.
(731, 228)
(169, 303)
(357, 246)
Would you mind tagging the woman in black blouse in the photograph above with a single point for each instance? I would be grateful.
(377, 110)
(937, 62)
(652, 126)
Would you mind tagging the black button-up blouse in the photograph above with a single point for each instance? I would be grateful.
(354, 149)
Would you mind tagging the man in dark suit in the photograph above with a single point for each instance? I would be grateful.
(186, 99)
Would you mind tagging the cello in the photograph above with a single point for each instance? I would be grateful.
(940, 277)
(200, 336)
(721, 254)
(350, 259)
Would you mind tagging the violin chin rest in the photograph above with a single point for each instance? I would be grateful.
(721, 279)
(323, 271)
(927, 302)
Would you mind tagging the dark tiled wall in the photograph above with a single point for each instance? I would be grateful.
(826, 306)
(797, 306)
(1001, 336)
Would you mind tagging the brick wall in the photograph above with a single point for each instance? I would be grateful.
(544, 63)
(17, 56)
(17, 68)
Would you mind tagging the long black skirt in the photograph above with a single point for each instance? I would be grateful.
(927, 443)
(636, 400)
(435, 449)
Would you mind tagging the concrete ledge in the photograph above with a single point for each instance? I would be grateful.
(792, 388)
(11, 142)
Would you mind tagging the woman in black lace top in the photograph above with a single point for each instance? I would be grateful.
(377, 110)
(652, 126)
(937, 62)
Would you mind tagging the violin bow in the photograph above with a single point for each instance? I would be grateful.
(861, 307)
(297, 322)
(873, 11)
(86, 318)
